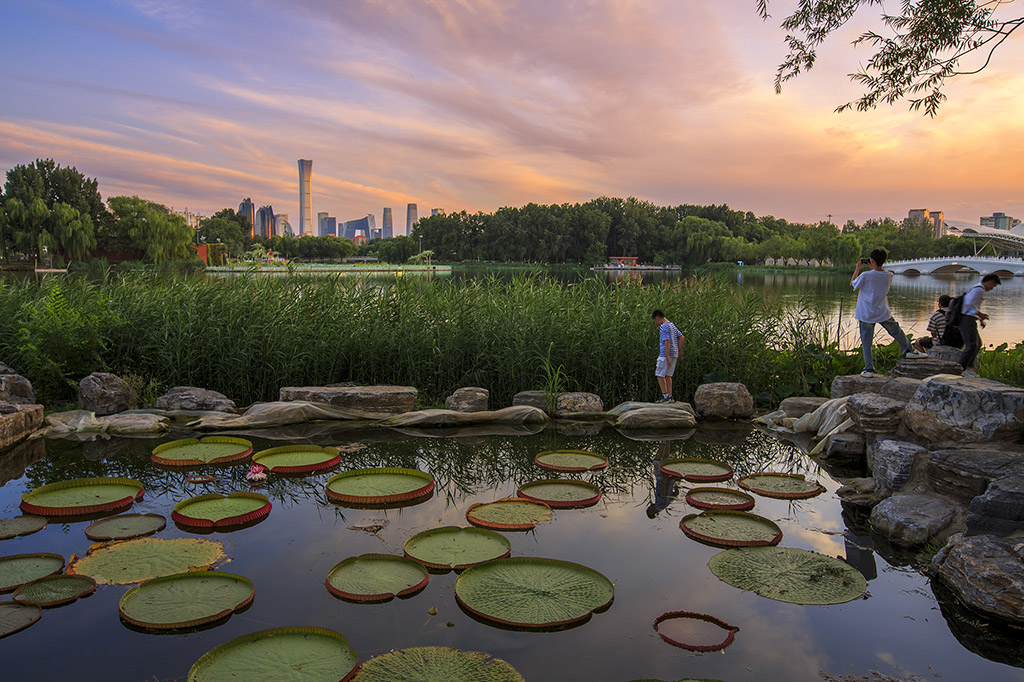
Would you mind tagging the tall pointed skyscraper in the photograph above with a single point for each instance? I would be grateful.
(410, 218)
(306, 197)
(389, 225)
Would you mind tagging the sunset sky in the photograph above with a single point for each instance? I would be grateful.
(478, 104)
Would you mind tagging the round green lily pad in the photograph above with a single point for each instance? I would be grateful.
(18, 569)
(21, 525)
(376, 577)
(456, 548)
(511, 513)
(782, 486)
(125, 527)
(295, 654)
(219, 511)
(696, 469)
(731, 529)
(719, 498)
(81, 496)
(185, 600)
(677, 628)
(437, 664)
(796, 576)
(190, 452)
(54, 590)
(379, 486)
(15, 617)
(296, 460)
(561, 494)
(533, 593)
(132, 561)
(571, 460)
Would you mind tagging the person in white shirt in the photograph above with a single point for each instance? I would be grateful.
(972, 315)
(873, 308)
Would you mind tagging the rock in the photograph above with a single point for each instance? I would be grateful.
(1000, 509)
(843, 386)
(104, 393)
(723, 400)
(965, 472)
(910, 520)
(892, 462)
(14, 461)
(18, 420)
(799, 406)
(947, 353)
(125, 424)
(984, 572)
(922, 368)
(665, 416)
(872, 413)
(901, 388)
(859, 493)
(378, 399)
(468, 399)
(847, 445)
(966, 411)
(531, 398)
(578, 403)
(192, 398)
(15, 388)
(4, 369)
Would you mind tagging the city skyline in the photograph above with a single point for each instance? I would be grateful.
(478, 106)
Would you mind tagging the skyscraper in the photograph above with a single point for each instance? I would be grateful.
(265, 222)
(248, 211)
(436, 211)
(305, 196)
(365, 227)
(389, 227)
(410, 218)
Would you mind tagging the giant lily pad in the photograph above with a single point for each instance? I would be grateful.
(533, 593)
(132, 561)
(81, 496)
(18, 569)
(682, 629)
(456, 548)
(561, 494)
(796, 576)
(380, 486)
(16, 617)
(55, 590)
(376, 577)
(782, 486)
(21, 525)
(696, 469)
(219, 511)
(511, 513)
(185, 600)
(295, 654)
(297, 460)
(125, 527)
(437, 664)
(731, 529)
(190, 452)
(719, 498)
(571, 460)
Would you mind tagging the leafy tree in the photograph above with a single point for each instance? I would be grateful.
(924, 43)
(229, 228)
(846, 249)
(397, 250)
(54, 184)
(148, 230)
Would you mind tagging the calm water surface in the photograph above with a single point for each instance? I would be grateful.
(632, 537)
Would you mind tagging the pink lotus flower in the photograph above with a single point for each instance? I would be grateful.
(256, 473)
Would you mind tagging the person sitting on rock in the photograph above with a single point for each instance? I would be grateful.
(936, 326)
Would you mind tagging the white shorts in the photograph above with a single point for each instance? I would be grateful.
(666, 367)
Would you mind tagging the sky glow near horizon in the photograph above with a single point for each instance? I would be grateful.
(477, 104)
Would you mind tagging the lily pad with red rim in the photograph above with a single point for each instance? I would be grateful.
(376, 577)
(571, 460)
(125, 527)
(297, 654)
(511, 513)
(55, 590)
(132, 561)
(681, 629)
(16, 617)
(719, 498)
(221, 511)
(297, 460)
(185, 600)
(696, 469)
(192, 452)
(561, 494)
(18, 569)
(81, 496)
(437, 664)
(731, 529)
(781, 486)
(456, 548)
(381, 486)
(21, 525)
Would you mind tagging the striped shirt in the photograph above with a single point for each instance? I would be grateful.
(937, 323)
(668, 332)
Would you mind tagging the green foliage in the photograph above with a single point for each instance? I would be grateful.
(310, 248)
(148, 230)
(1003, 364)
(554, 379)
(228, 228)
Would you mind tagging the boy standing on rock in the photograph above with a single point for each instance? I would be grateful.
(669, 344)
(972, 317)
(873, 308)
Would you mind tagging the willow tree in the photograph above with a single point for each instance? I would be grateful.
(149, 230)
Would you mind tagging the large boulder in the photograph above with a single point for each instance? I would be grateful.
(966, 410)
(873, 413)
(723, 400)
(901, 388)
(962, 473)
(1000, 509)
(531, 399)
(15, 388)
(849, 446)
(892, 462)
(799, 406)
(577, 403)
(192, 398)
(655, 416)
(843, 386)
(468, 399)
(986, 573)
(912, 519)
(377, 399)
(18, 420)
(922, 368)
(105, 393)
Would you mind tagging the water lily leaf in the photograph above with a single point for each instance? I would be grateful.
(456, 548)
(562, 494)
(571, 460)
(132, 561)
(16, 617)
(380, 486)
(190, 452)
(186, 600)
(719, 498)
(376, 577)
(533, 593)
(437, 664)
(696, 469)
(21, 525)
(511, 513)
(731, 529)
(782, 486)
(220, 511)
(295, 654)
(81, 496)
(295, 460)
(18, 569)
(796, 576)
(55, 590)
(677, 628)
(125, 526)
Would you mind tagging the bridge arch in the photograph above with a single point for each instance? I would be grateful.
(953, 268)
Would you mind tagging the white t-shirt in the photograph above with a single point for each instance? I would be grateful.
(873, 295)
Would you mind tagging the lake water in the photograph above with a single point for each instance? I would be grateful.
(632, 537)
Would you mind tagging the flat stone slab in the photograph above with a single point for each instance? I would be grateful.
(846, 446)
(799, 406)
(986, 573)
(17, 421)
(962, 473)
(922, 368)
(380, 399)
(193, 398)
(901, 388)
(911, 520)
(966, 411)
(843, 386)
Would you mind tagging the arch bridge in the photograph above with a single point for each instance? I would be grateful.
(982, 265)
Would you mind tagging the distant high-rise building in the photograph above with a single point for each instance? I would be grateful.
(389, 226)
(265, 222)
(436, 211)
(305, 196)
(410, 218)
(248, 211)
(326, 225)
(282, 226)
(999, 221)
(366, 226)
(936, 218)
(191, 219)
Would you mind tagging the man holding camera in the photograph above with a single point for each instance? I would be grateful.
(873, 308)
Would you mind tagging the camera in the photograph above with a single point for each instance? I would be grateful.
(865, 261)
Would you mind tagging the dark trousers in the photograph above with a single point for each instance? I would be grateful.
(972, 340)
